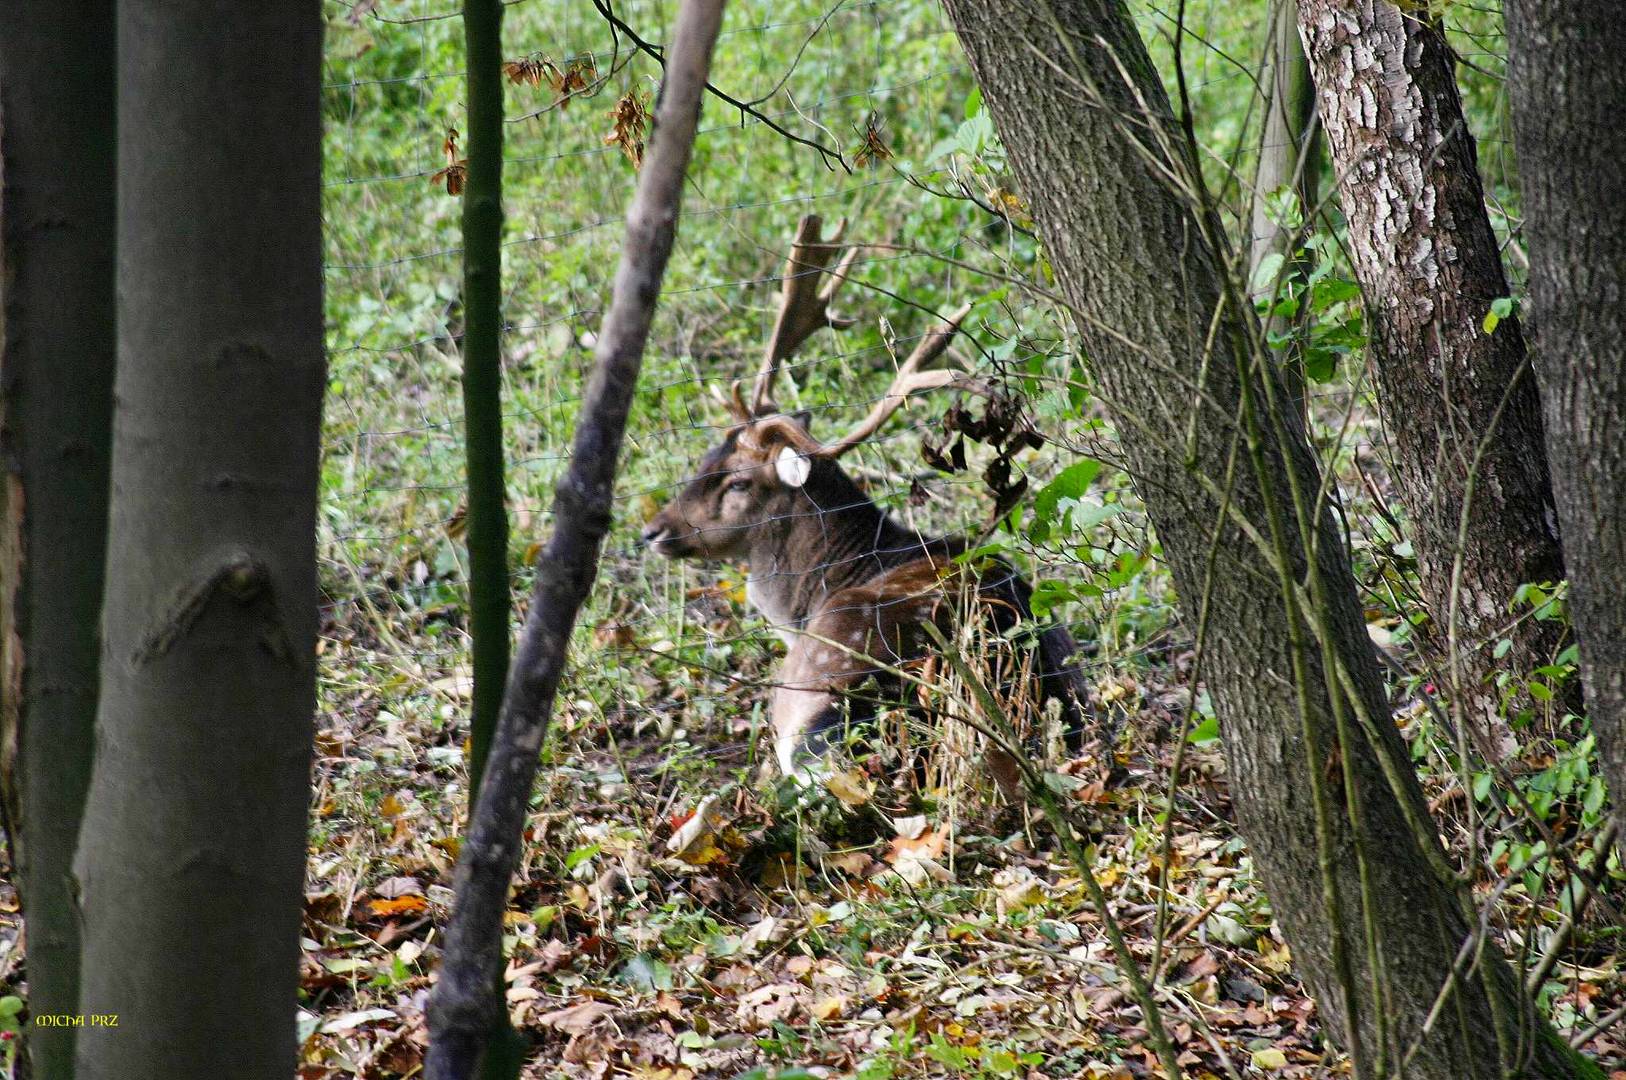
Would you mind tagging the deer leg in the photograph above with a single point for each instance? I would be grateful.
(811, 701)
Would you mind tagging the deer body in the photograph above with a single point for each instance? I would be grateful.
(849, 588)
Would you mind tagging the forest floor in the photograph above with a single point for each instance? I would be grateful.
(869, 929)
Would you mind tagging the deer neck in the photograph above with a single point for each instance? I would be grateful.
(833, 538)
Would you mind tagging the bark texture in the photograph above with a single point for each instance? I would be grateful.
(56, 398)
(1065, 80)
(192, 852)
(1460, 405)
(467, 1009)
(1567, 85)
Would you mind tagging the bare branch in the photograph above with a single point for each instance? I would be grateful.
(467, 1001)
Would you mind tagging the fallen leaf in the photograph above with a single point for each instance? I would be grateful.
(850, 786)
(575, 1019)
(829, 1008)
(856, 863)
(1270, 1059)
(391, 888)
(928, 843)
(400, 905)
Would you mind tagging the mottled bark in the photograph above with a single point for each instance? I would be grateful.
(1567, 85)
(1141, 272)
(56, 398)
(1459, 404)
(192, 853)
(466, 1007)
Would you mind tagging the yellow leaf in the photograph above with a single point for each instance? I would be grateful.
(830, 1008)
(850, 786)
(1270, 1059)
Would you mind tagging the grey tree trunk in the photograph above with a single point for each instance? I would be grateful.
(1141, 270)
(192, 851)
(1289, 158)
(467, 1024)
(1460, 405)
(1567, 85)
(56, 398)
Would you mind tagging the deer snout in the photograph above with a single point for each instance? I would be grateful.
(660, 537)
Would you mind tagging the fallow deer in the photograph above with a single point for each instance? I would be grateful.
(848, 586)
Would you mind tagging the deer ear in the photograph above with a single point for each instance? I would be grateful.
(793, 468)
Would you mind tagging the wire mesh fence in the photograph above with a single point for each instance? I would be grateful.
(880, 82)
(862, 110)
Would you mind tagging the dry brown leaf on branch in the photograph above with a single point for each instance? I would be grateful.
(527, 69)
(575, 77)
(631, 117)
(872, 150)
(456, 172)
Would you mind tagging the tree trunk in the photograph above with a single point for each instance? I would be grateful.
(1141, 270)
(1289, 159)
(192, 853)
(1567, 86)
(465, 1010)
(490, 599)
(56, 399)
(1460, 404)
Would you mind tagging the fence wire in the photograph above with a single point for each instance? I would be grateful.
(394, 572)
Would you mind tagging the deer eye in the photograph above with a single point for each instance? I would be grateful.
(739, 483)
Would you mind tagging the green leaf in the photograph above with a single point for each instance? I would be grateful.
(1265, 274)
(10, 1005)
(1071, 483)
(1320, 365)
(973, 102)
(581, 855)
(647, 973)
(1205, 732)
(1048, 594)
(1500, 309)
(1330, 291)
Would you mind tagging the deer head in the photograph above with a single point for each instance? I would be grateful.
(770, 472)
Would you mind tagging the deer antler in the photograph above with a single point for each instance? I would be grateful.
(910, 379)
(807, 286)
